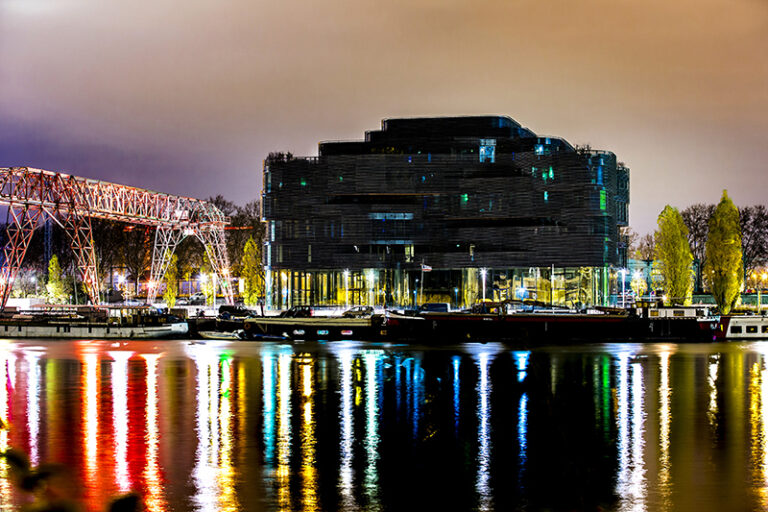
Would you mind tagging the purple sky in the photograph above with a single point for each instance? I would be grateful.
(188, 97)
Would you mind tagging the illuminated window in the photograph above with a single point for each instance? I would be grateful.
(488, 150)
(303, 182)
(551, 173)
(408, 253)
(602, 199)
(546, 195)
(539, 150)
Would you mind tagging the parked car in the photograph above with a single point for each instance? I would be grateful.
(435, 307)
(358, 312)
(197, 299)
(297, 312)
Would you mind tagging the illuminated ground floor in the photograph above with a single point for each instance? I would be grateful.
(395, 288)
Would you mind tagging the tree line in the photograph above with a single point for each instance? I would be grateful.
(706, 247)
(127, 249)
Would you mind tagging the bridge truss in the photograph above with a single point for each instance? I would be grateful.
(33, 195)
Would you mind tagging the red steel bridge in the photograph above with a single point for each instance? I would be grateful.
(33, 195)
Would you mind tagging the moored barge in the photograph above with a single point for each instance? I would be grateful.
(95, 322)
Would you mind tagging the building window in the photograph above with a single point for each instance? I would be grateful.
(488, 150)
(309, 253)
(602, 200)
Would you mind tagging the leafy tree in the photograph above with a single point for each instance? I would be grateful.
(696, 218)
(171, 280)
(638, 284)
(57, 287)
(725, 268)
(252, 273)
(207, 286)
(674, 255)
(754, 237)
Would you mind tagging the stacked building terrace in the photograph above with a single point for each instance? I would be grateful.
(447, 209)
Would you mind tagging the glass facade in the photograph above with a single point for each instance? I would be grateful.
(444, 210)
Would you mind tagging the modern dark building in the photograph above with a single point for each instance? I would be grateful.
(453, 209)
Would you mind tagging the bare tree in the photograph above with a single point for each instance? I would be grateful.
(696, 218)
(645, 248)
(754, 236)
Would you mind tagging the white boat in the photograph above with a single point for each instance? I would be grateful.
(94, 322)
(742, 327)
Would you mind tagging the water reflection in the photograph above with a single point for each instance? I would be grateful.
(350, 426)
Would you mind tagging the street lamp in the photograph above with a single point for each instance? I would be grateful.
(456, 293)
(483, 273)
(623, 273)
(346, 287)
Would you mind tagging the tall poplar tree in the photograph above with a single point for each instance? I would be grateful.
(58, 289)
(674, 256)
(171, 279)
(724, 269)
(252, 273)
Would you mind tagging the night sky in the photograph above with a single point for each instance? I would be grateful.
(188, 97)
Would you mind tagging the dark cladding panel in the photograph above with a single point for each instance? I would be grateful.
(457, 192)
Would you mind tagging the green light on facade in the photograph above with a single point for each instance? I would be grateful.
(602, 200)
(303, 182)
(341, 178)
(546, 195)
(551, 173)
(464, 198)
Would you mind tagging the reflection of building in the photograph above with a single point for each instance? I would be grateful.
(491, 208)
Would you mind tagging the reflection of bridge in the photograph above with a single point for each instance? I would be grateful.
(71, 202)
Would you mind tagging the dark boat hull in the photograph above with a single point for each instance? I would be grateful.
(314, 328)
(534, 327)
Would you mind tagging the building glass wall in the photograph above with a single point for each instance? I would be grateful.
(444, 210)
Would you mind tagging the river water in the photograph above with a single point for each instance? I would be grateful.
(352, 426)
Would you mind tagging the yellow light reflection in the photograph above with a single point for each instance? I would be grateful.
(120, 417)
(764, 432)
(714, 366)
(308, 469)
(154, 498)
(284, 432)
(228, 498)
(204, 472)
(665, 419)
(758, 409)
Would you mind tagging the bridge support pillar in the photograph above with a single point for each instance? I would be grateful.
(166, 240)
(78, 229)
(216, 249)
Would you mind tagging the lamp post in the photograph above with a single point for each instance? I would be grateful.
(483, 273)
(456, 294)
(623, 273)
(346, 287)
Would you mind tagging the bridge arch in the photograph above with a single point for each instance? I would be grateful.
(32, 195)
